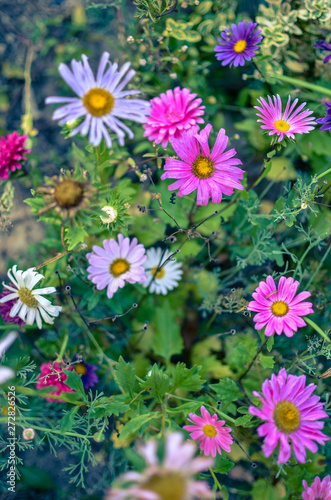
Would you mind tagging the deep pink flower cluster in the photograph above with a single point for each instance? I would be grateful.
(52, 374)
(12, 152)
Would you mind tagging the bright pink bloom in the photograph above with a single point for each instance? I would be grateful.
(279, 310)
(319, 490)
(210, 431)
(171, 114)
(212, 173)
(12, 151)
(286, 123)
(291, 413)
(51, 374)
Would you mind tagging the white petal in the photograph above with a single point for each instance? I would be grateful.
(6, 374)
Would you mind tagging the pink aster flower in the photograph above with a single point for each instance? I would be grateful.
(51, 374)
(279, 310)
(172, 477)
(292, 414)
(319, 490)
(171, 114)
(287, 123)
(210, 431)
(12, 151)
(211, 173)
(116, 263)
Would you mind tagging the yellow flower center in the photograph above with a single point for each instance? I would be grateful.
(25, 296)
(203, 167)
(159, 274)
(98, 101)
(282, 125)
(279, 308)
(287, 417)
(118, 267)
(209, 430)
(80, 368)
(69, 194)
(170, 486)
(240, 46)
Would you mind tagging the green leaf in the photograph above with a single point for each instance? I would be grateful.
(167, 339)
(186, 408)
(136, 423)
(108, 409)
(74, 381)
(242, 421)
(193, 36)
(157, 383)
(227, 390)
(75, 235)
(187, 378)
(263, 489)
(223, 465)
(204, 7)
(125, 376)
(267, 361)
(68, 420)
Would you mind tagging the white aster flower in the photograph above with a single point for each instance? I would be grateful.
(6, 373)
(30, 303)
(167, 277)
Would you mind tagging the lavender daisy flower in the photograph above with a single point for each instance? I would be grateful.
(238, 45)
(116, 263)
(87, 371)
(101, 100)
(327, 119)
(323, 45)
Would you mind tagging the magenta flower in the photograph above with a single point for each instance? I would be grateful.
(51, 374)
(284, 124)
(291, 413)
(168, 475)
(116, 263)
(279, 310)
(12, 152)
(319, 490)
(5, 309)
(211, 173)
(238, 46)
(210, 431)
(171, 114)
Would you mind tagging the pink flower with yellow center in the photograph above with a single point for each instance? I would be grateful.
(319, 490)
(210, 431)
(279, 309)
(288, 123)
(292, 416)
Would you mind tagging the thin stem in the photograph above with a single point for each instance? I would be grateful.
(215, 479)
(323, 173)
(253, 360)
(318, 268)
(57, 257)
(62, 238)
(301, 83)
(317, 329)
(63, 347)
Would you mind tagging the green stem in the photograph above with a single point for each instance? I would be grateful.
(318, 268)
(323, 173)
(221, 414)
(32, 392)
(44, 429)
(215, 479)
(301, 83)
(63, 347)
(317, 329)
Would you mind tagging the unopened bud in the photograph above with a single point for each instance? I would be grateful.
(28, 434)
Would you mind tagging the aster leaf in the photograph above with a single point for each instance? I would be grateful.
(67, 422)
(167, 339)
(126, 377)
(75, 235)
(74, 381)
(223, 465)
(136, 423)
(157, 383)
(186, 378)
(227, 390)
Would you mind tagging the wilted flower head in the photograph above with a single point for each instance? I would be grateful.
(171, 478)
(323, 45)
(172, 114)
(52, 374)
(211, 173)
(238, 46)
(319, 490)
(6, 373)
(292, 415)
(12, 152)
(29, 303)
(66, 196)
(101, 100)
(286, 123)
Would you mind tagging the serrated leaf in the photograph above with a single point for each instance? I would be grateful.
(136, 423)
(242, 421)
(167, 339)
(186, 408)
(223, 465)
(125, 376)
(186, 378)
(108, 409)
(227, 390)
(68, 420)
(267, 361)
(75, 235)
(157, 383)
(74, 381)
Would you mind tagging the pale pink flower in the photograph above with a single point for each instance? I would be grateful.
(319, 490)
(116, 263)
(286, 123)
(279, 310)
(171, 478)
(292, 416)
(12, 153)
(210, 431)
(211, 173)
(52, 374)
(171, 114)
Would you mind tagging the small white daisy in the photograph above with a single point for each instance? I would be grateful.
(30, 304)
(6, 373)
(167, 277)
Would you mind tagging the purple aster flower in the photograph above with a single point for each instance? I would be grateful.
(5, 309)
(327, 119)
(87, 371)
(323, 45)
(101, 100)
(238, 45)
(116, 263)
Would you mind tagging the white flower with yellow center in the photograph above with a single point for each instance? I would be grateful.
(30, 305)
(166, 276)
